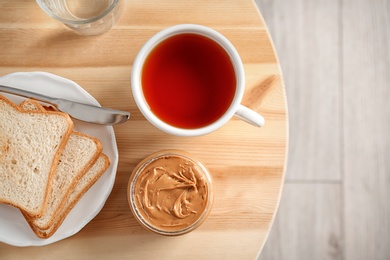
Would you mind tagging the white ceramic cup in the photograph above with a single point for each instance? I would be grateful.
(235, 107)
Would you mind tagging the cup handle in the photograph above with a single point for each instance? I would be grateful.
(249, 116)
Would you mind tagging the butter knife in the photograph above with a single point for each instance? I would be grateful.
(80, 111)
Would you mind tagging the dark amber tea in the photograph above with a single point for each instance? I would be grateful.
(188, 81)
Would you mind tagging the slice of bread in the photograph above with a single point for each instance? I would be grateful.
(30, 146)
(78, 156)
(85, 183)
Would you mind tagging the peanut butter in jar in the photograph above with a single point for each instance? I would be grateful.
(170, 193)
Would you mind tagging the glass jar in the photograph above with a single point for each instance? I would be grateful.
(170, 192)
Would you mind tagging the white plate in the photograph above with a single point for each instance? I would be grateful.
(14, 229)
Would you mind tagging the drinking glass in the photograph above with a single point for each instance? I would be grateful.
(85, 17)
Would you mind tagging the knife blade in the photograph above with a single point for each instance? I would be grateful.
(84, 112)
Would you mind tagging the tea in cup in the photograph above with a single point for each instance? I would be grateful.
(189, 80)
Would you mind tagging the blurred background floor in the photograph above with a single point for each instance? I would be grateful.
(335, 58)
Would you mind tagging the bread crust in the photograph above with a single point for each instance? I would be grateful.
(54, 160)
(79, 185)
(65, 193)
(48, 232)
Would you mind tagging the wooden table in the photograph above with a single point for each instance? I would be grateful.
(247, 163)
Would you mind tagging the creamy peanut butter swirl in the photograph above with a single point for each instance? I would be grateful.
(171, 193)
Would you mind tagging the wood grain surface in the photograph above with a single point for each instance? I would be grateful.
(247, 163)
(337, 176)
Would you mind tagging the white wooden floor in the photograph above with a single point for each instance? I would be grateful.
(335, 57)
